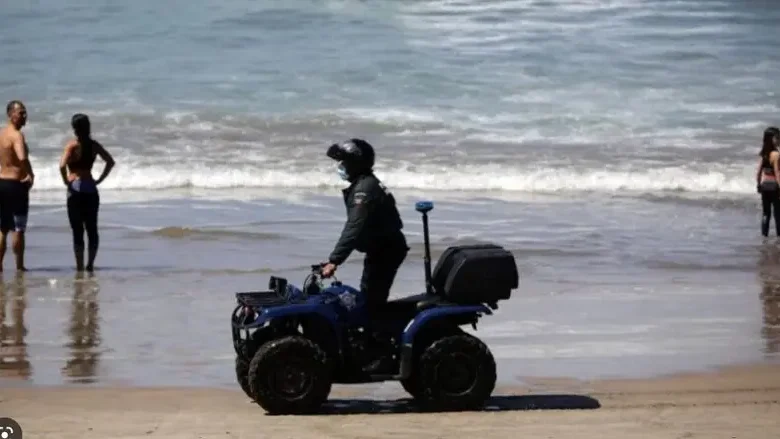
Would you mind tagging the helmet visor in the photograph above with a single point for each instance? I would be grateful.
(343, 151)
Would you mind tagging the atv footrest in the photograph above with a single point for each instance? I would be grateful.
(259, 299)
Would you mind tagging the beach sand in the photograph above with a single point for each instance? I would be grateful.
(736, 402)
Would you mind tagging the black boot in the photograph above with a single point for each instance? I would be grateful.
(382, 365)
(381, 350)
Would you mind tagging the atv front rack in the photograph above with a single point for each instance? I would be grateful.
(260, 299)
(244, 314)
(250, 303)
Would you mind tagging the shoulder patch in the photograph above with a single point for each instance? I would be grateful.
(358, 198)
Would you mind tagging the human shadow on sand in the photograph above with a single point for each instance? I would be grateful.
(506, 403)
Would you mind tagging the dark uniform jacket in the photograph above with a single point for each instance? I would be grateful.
(373, 222)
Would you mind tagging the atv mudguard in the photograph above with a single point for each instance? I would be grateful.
(430, 315)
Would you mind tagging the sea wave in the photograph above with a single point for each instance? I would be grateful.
(461, 177)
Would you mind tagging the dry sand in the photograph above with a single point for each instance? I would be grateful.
(741, 402)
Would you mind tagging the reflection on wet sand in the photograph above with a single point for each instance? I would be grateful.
(83, 331)
(769, 272)
(14, 362)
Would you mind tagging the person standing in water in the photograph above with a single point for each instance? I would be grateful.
(16, 180)
(83, 198)
(766, 179)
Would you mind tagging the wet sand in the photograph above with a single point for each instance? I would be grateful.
(604, 294)
(141, 349)
(737, 402)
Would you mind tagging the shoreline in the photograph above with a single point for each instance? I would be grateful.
(737, 401)
(518, 380)
(219, 375)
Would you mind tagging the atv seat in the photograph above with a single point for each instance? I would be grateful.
(411, 305)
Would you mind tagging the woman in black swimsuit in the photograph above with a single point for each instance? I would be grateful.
(767, 179)
(83, 198)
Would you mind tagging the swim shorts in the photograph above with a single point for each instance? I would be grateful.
(14, 205)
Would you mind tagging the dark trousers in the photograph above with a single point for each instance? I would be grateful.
(770, 200)
(379, 270)
(83, 215)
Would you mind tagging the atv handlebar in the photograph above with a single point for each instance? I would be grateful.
(316, 272)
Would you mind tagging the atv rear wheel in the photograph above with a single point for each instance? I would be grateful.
(412, 387)
(456, 373)
(422, 342)
(290, 376)
(242, 376)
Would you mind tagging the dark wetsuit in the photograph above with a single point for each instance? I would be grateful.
(14, 205)
(83, 198)
(770, 197)
(374, 227)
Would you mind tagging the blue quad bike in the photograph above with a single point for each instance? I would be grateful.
(293, 343)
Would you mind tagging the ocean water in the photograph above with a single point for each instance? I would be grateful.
(610, 145)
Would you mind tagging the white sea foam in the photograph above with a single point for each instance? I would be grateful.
(498, 177)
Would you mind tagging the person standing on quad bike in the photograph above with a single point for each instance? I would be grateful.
(373, 224)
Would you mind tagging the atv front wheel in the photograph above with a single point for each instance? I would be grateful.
(246, 351)
(242, 376)
(456, 373)
(290, 376)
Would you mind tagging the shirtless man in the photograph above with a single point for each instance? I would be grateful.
(16, 179)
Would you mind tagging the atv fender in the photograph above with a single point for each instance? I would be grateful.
(266, 315)
(429, 315)
(317, 322)
(426, 317)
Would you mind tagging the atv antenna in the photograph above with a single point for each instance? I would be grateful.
(424, 207)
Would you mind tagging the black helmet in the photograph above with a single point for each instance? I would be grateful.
(357, 155)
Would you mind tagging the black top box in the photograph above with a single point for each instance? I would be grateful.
(480, 273)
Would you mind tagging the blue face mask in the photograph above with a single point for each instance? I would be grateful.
(343, 172)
